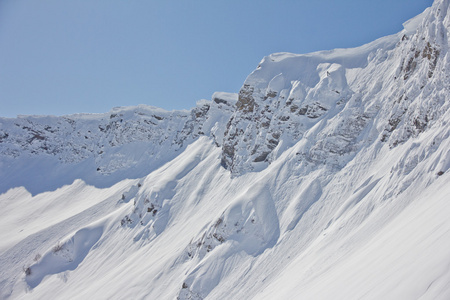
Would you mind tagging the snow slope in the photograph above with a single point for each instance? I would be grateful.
(326, 177)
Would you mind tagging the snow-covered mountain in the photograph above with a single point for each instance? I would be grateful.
(101, 149)
(325, 177)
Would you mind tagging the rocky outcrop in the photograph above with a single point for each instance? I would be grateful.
(335, 99)
(105, 138)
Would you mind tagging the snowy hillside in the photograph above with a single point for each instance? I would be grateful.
(325, 177)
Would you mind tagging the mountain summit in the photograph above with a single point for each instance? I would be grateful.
(325, 177)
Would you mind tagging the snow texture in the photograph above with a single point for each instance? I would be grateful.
(325, 177)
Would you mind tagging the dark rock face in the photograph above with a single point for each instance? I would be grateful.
(246, 103)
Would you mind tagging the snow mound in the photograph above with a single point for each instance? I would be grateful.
(65, 256)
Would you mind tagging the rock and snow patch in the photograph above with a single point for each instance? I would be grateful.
(251, 221)
(249, 225)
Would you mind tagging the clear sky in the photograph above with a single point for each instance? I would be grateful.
(61, 57)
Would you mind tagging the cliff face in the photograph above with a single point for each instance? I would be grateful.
(388, 91)
(77, 137)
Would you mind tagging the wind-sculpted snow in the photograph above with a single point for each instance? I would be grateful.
(151, 205)
(249, 225)
(304, 201)
(64, 256)
(326, 177)
(251, 221)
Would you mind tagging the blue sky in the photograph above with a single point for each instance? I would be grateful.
(61, 57)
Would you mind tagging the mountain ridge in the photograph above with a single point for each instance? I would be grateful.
(324, 177)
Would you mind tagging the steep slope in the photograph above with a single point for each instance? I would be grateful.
(326, 177)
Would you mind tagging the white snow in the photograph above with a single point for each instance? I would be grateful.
(350, 203)
(411, 25)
